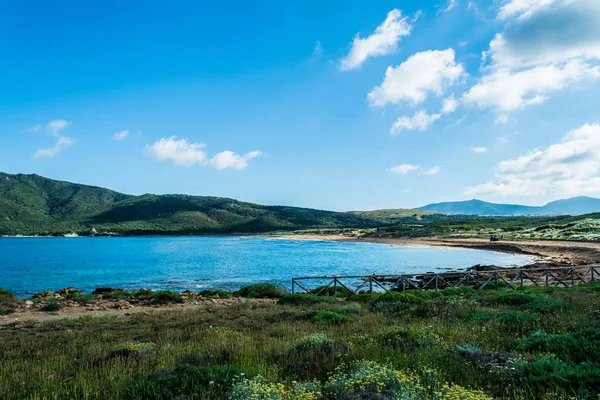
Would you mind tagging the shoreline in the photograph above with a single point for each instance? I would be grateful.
(557, 253)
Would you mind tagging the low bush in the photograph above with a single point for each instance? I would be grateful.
(8, 299)
(144, 293)
(167, 296)
(184, 382)
(132, 348)
(329, 316)
(221, 294)
(262, 291)
(85, 299)
(51, 305)
(546, 374)
(577, 347)
(314, 357)
(305, 299)
(260, 388)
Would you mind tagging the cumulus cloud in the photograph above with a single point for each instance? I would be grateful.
(229, 159)
(479, 150)
(122, 135)
(449, 105)
(422, 73)
(62, 143)
(508, 90)
(381, 42)
(431, 171)
(568, 168)
(546, 46)
(501, 119)
(420, 121)
(182, 153)
(403, 169)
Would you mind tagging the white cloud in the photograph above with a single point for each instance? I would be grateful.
(121, 135)
(431, 171)
(422, 73)
(54, 127)
(178, 151)
(449, 105)
(403, 169)
(185, 154)
(507, 90)
(501, 119)
(568, 168)
(229, 159)
(62, 143)
(420, 120)
(523, 8)
(451, 5)
(479, 150)
(545, 46)
(381, 42)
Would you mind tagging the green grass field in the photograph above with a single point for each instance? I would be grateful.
(451, 344)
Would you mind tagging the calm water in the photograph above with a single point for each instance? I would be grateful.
(29, 265)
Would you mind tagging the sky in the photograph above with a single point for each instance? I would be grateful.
(340, 105)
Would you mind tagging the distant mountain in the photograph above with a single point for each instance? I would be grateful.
(34, 205)
(573, 206)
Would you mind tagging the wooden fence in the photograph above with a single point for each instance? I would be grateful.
(508, 277)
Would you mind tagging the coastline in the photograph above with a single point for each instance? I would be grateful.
(558, 253)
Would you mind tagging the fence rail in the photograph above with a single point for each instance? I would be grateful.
(510, 277)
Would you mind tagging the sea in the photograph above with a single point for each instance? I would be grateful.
(30, 265)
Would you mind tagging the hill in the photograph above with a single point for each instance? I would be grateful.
(34, 205)
(573, 206)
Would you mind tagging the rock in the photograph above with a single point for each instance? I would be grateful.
(68, 291)
(122, 305)
(104, 290)
(28, 303)
(42, 295)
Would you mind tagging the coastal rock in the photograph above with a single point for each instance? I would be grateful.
(42, 295)
(68, 291)
(104, 290)
(122, 305)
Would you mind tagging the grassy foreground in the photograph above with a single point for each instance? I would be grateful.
(451, 344)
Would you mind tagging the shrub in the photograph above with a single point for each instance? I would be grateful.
(116, 294)
(167, 296)
(222, 294)
(184, 381)
(314, 357)
(370, 380)
(262, 290)
(51, 305)
(4, 311)
(132, 348)
(544, 305)
(401, 338)
(259, 388)
(577, 347)
(551, 374)
(85, 299)
(304, 299)
(513, 298)
(331, 316)
(8, 299)
(144, 293)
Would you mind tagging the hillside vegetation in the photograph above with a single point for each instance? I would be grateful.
(34, 205)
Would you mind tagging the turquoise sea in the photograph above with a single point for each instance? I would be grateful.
(29, 265)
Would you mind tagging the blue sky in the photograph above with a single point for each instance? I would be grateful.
(340, 105)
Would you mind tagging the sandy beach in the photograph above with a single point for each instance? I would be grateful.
(559, 253)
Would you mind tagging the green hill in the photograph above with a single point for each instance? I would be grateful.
(34, 205)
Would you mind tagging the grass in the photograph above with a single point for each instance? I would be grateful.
(451, 344)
